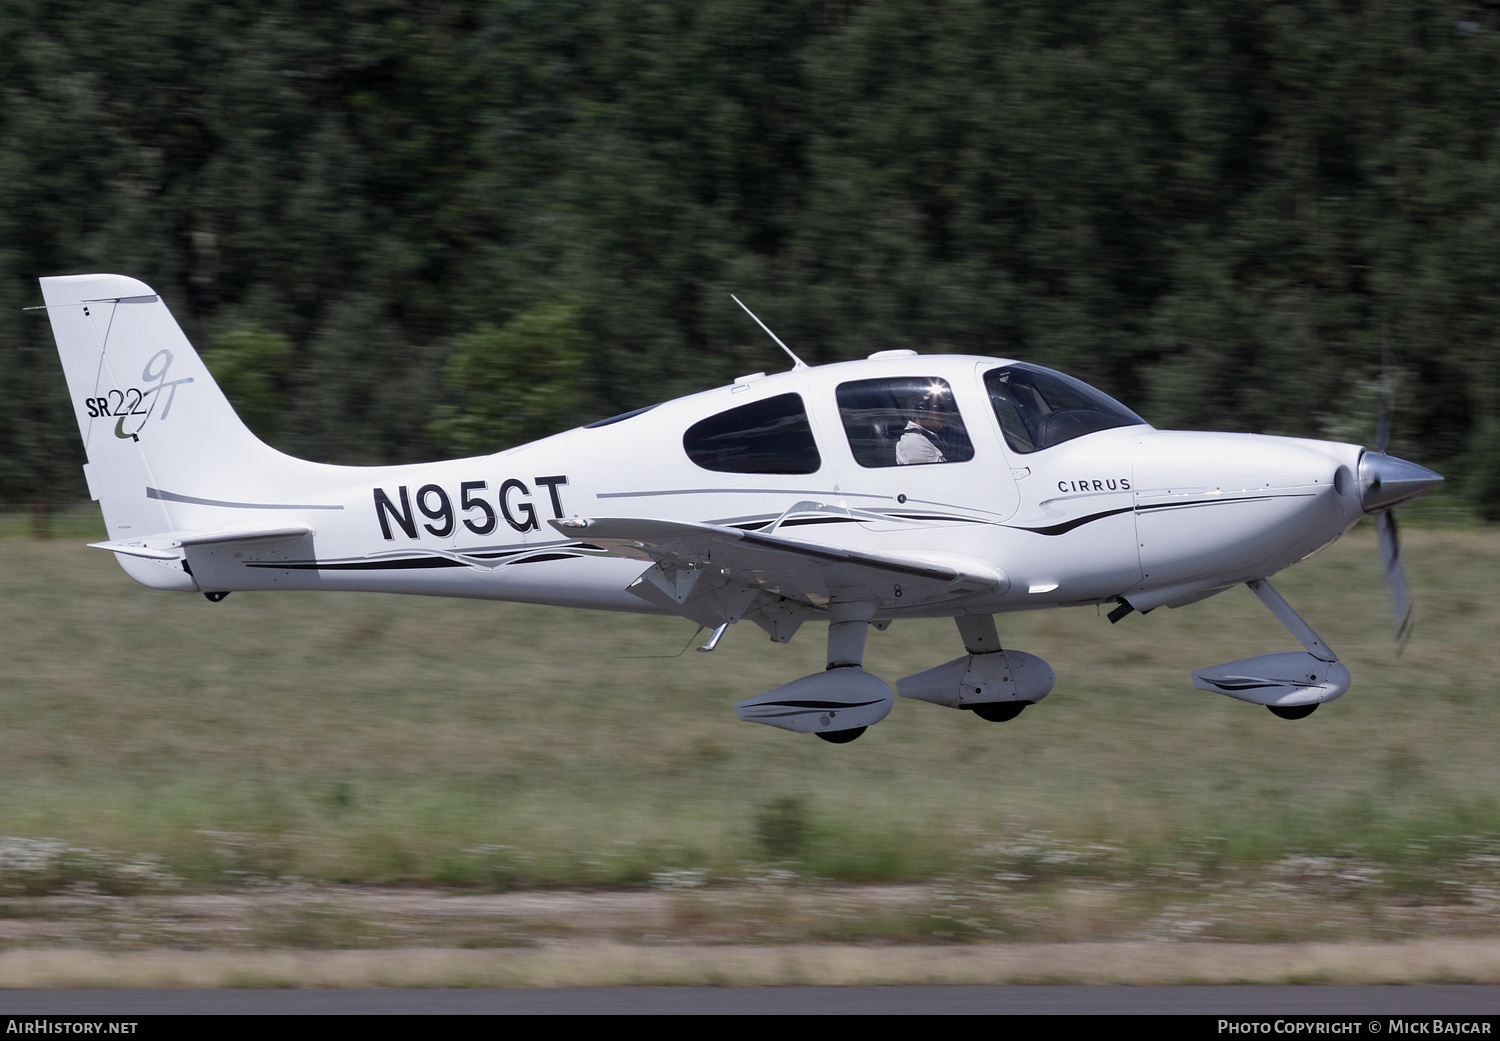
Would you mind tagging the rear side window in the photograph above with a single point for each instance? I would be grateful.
(764, 437)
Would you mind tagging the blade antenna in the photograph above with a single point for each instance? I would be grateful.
(797, 363)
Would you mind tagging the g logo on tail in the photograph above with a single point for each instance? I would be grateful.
(131, 400)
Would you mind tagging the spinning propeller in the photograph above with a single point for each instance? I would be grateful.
(1385, 482)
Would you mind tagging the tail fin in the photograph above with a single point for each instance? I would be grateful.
(154, 422)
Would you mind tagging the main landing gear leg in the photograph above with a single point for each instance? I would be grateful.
(848, 627)
(849, 624)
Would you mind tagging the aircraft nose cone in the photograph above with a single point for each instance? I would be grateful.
(1385, 481)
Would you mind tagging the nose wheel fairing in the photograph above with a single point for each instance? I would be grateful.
(1289, 679)
(1285, 682)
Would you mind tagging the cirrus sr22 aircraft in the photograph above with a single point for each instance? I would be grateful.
(856, 494)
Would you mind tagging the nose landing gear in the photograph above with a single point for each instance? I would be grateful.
(1291, 684)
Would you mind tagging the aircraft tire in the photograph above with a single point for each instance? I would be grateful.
(998, 711)
(840, 737)
(1293, 712)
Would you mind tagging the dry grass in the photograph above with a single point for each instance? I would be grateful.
(159, 740)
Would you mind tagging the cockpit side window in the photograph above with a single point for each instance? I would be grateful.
(764, 437)
(903, 421)
(1038, 408)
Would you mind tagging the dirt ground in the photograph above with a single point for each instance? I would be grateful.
(293, 935)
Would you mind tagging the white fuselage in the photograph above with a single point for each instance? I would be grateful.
(1153, 517)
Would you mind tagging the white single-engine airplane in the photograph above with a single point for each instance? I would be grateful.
(902, 486)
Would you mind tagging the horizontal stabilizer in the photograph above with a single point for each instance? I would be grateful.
(135, 549)
(166, 546)
(293, 531)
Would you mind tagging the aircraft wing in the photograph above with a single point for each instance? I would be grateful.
(712, 574)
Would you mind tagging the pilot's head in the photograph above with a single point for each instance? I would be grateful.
(930, 406)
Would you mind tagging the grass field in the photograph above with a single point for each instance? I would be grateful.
(150, 740)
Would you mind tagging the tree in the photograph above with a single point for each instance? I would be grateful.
(250, 365)
(514, 383)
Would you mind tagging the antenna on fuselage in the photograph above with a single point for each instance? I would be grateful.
(797, 363)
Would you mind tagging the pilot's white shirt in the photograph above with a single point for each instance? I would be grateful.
(917, 446)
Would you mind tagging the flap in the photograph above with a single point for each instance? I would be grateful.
(803, 571)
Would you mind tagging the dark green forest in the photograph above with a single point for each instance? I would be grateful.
(403, 230)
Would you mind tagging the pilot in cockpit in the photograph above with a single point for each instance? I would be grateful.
(921, 441)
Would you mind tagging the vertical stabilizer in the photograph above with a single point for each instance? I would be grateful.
(154, 423)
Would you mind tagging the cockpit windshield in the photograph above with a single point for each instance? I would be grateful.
(1038, 408)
